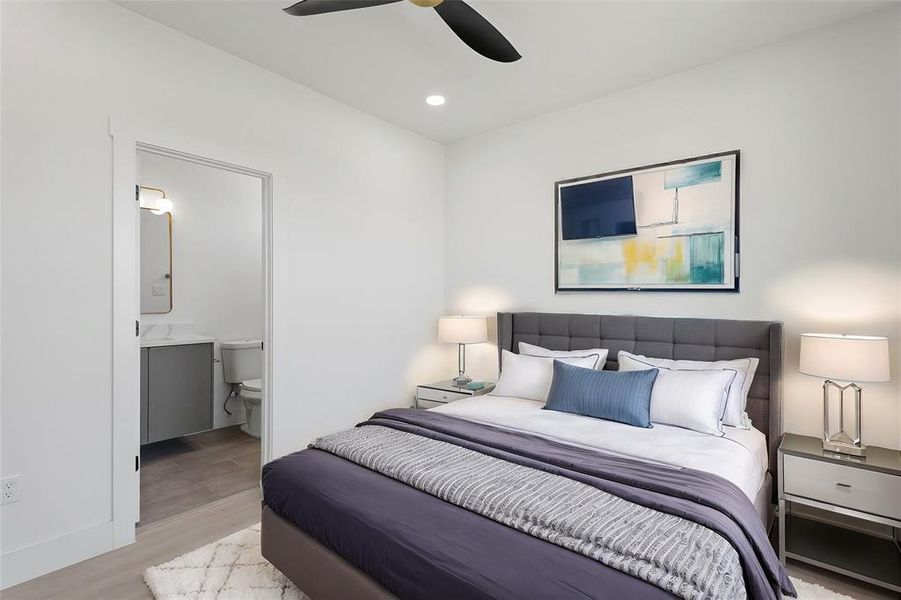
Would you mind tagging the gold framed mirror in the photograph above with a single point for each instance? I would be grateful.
(156, 262)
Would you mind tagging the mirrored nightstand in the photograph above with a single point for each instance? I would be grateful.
(866, 488)
(430, 395)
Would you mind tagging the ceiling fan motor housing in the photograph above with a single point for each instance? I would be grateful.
(427, 3)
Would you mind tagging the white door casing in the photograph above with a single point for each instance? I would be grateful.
(127, 139)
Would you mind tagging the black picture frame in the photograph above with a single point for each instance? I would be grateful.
(735, 286)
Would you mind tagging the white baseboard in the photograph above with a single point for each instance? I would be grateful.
(38, 559)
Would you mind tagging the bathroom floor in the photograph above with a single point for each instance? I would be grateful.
(184, 473)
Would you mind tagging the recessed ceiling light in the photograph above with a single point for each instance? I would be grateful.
(435, 100)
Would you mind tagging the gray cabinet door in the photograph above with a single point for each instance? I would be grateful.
(180, 391)
(144, 405)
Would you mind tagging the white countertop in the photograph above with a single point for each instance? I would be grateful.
(176, 339)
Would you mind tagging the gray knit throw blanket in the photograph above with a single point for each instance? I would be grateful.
(672, 553)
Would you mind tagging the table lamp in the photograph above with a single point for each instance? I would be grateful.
(462, 330)
(849, 360)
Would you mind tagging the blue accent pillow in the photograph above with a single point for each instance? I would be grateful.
(623, 396)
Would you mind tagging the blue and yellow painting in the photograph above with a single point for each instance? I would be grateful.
(684, 237)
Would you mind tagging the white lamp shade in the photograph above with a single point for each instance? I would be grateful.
(463, 330)
(852, 358)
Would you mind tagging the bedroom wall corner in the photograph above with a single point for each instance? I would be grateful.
(896, 366)
(817, 120)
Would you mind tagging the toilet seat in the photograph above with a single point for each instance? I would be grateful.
(252, 385)
(252, 389)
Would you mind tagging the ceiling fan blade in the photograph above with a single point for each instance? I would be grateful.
(476, 32)
(318, 7)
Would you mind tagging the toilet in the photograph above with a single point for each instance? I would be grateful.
(242, 366)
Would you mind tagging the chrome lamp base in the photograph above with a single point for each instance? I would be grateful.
(840, 447)
(840, 441)
(462, 379)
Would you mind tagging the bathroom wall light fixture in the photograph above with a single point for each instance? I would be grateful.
(158, 206)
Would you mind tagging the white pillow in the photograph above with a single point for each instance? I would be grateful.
(530, 377)
(691, 399)
(532, 350)
(737, 399)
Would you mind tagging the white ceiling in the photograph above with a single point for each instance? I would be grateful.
(385, 60)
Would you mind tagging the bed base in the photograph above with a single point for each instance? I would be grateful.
(324, 575)
(317, 571)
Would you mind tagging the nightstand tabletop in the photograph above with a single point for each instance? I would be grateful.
(879, 459)
(448, 386)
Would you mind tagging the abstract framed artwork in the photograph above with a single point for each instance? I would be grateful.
(667, 227)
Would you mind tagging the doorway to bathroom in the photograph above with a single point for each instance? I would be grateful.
(201, 333)
(192, 273)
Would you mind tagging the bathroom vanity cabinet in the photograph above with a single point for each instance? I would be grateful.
(176, 391)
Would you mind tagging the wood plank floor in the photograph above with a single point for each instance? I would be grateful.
(185, 473)
(118, 575)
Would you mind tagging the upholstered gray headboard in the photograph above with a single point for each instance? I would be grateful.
(685, 339)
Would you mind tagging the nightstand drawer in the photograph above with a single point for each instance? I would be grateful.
(424, 393)
(850, 487)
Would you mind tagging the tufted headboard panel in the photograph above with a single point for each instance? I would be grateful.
(674, 338)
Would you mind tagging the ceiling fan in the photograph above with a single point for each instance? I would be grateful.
(471, 27)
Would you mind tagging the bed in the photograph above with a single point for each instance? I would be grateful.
(341, 530)
(739, 456)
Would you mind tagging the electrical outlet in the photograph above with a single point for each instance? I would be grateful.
(9, 490)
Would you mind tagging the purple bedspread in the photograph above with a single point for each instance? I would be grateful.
(418, 546)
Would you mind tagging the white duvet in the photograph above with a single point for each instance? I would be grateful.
(740, 456)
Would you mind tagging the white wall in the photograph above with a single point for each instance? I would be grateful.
(817, 121)
(217, 242)
(358, 250)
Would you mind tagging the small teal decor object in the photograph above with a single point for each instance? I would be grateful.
(475, 386)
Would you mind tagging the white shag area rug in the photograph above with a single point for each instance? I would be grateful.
(233, 569)
(228, 569)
